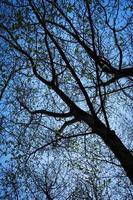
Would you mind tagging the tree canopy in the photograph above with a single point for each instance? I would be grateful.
(66, 97)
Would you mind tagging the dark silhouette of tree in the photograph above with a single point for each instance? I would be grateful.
(63, 64)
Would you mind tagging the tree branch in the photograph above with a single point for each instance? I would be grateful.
(45, 112)
(56, 141)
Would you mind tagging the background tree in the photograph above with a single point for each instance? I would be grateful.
(66, 90)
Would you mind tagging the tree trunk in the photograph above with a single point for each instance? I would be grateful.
(118, 148)
(112, 141)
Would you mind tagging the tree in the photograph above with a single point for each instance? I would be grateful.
(62, 66)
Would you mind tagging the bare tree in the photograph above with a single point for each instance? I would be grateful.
(67, 61)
